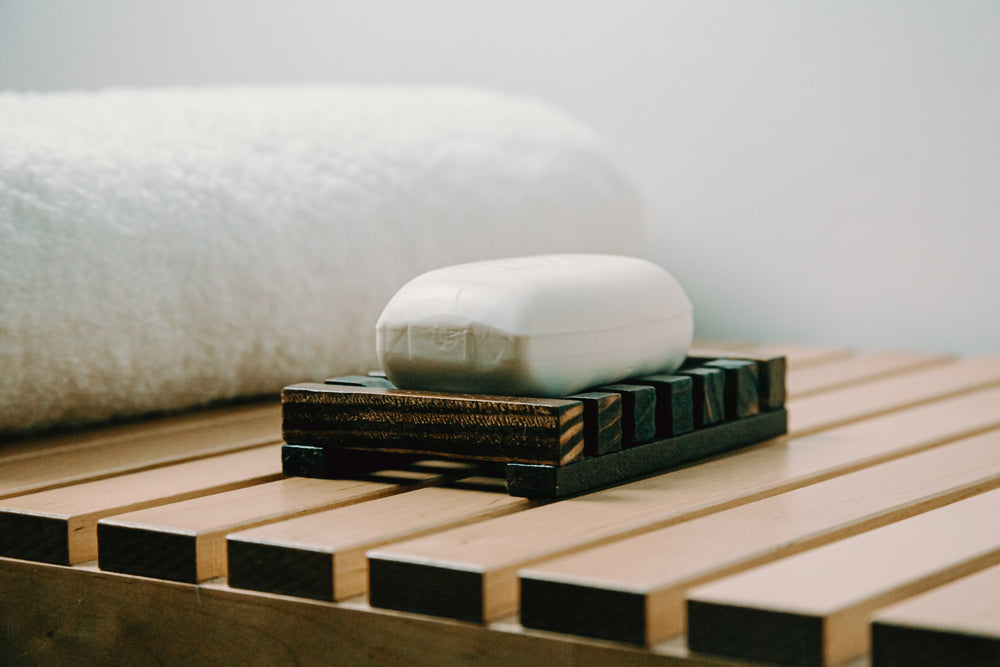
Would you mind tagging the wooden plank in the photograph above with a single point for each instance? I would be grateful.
(334, 463)
(709, 394)
(957, 624)
(500, 429)
(14, 446)
(771, 372)
(61, 616)
(60, 525)
(831, 408)
(483, 559)
(534, 481)
(674, 403)
(813, 608)
(51, 462)
(853, 370)
(602, 421)
(186, 540)
(741, 387)
(638, 412)
(322, 556)
(633, 590)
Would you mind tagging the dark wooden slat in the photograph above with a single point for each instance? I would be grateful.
(638, 412)
(770, 373)
(334, 463)
(741, 393)
(709, 395)
(674, 403)
(602, 421)
(500, 429)
(537, 481)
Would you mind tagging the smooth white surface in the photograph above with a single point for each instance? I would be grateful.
(544, 325)
(821, 171)
(167, 248)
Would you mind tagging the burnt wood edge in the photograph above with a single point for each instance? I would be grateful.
(541, 481)
(530, 430)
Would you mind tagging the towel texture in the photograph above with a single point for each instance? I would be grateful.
(167, 248)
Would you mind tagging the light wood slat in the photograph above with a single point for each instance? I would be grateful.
(322, 556)
(832, 408)
(49, 463)
(15, 446)
(813, 608)
(68, 615)
(60, 525)
(852, 370)
(186, 540)
(482, 559)
(633, 589)
(956, 624)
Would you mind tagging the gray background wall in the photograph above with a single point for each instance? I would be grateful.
(821, 172)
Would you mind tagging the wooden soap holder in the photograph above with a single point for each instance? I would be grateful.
(547, 448)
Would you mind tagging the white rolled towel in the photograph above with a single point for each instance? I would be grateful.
(167, 248)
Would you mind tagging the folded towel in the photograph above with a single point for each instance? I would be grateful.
(168, 248)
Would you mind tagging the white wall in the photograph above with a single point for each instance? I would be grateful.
(823, 172)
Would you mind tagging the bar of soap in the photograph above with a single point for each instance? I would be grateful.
(546, 325)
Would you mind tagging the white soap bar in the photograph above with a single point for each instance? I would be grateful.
(547, 325)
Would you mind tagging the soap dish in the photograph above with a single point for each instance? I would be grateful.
(545, 447)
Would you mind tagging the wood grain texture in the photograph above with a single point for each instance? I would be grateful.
(536, 481)
(496, 549)
(813, 608)
(638, 412)
(602, 421)
(522, 430)
(322, 556)
(633, 590)
(185, 541)
(150, 430)
(841, 406)
(56, 615)
(674, 403)
(742, 397)
(38, 464)
(771, 372)
(60, 525)
(958, 624)
(708, 393)
(857, 369)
